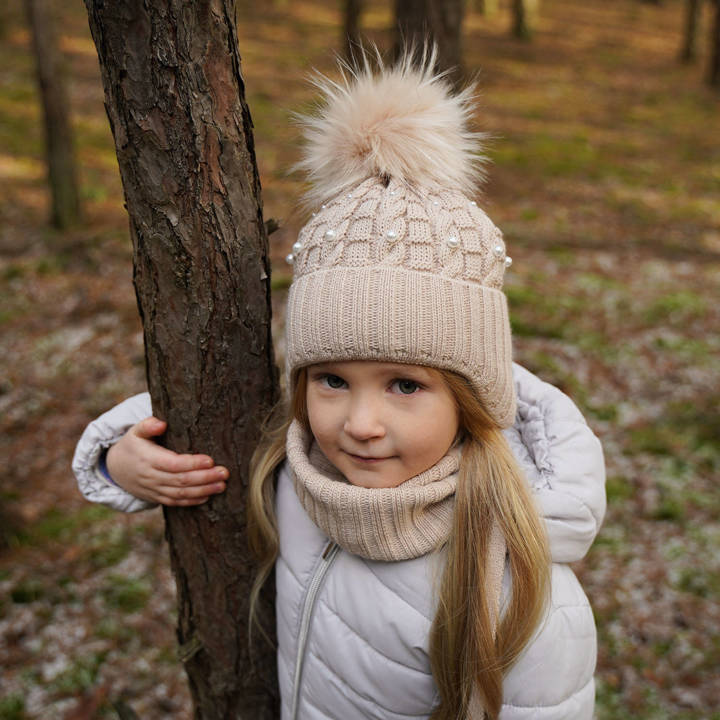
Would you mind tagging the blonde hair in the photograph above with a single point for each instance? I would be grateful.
(465, 655)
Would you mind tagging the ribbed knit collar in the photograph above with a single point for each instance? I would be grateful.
(387, 524)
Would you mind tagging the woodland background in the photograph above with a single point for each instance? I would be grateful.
(605, 179)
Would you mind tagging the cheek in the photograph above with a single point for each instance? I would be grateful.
(433, 435)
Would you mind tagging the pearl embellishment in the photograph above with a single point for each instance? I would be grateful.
(473, 203)
(391, 234)
(452, 241)
(290, 259)
(498, 251)
(436, 202)
(508, 261)
(329, 233)
(297, 247)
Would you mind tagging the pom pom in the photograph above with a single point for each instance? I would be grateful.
(401, 122)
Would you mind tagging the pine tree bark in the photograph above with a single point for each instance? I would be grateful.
(418, 22)
(59, 141)
(714, 70)
(175, 98)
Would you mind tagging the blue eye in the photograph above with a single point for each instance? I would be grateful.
(334, 382)
(407, 387)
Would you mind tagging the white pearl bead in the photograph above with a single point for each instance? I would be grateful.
(473, 203)
(297, 247)
(322, 207)
(391, 234)
(498, 251)
(313, 214)
(290, 259)
(330, 233)
(436, 202)
(393, 193)
(508, 261)
(349, 196)
(452, 241)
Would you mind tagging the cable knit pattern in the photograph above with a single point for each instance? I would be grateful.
(392, 273)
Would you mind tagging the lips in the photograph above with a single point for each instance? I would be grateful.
(364, 459)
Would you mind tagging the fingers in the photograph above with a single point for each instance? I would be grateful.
(171, 462)
(195, 478)
(149, 427)
(173, 495)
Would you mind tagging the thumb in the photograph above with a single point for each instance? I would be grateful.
(150, 427)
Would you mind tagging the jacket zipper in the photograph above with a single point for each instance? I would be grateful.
(326, 560)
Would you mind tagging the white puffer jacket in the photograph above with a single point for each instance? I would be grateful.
(353, 634)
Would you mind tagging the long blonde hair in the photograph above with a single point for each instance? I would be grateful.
(464, 655)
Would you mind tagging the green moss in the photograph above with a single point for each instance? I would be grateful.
(57, 525)
(12, 707)
(80, 676)
(618, 488)
(126, 594)
(677, 307)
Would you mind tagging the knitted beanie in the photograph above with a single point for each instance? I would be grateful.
(397, 263)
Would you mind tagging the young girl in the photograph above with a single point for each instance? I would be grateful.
(402, 502)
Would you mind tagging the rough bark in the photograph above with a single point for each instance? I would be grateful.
(351, 41)
(175, 97)
(692, 16)
(418, 22)
(714, 69)
(59, 142)
(525, 13)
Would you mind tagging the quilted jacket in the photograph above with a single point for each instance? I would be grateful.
(353, 633)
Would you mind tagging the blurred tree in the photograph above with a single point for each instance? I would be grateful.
(714, 71)
(59, 141)
(524, 14)
(692, 15)
(487, 7)
(418, 22)
(351, 41)
(175, 98)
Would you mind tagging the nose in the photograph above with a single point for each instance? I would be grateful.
(364, 419)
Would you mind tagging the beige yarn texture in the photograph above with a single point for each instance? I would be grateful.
(392, 272)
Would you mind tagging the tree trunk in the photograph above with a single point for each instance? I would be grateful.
(418, 22)
(175, 97)
(714, 71)
(351, 42)
(59, 144)
(488, 8)
(692, 15)
(525, 13)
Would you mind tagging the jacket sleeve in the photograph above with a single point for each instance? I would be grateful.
(99, 435)
(564, 464)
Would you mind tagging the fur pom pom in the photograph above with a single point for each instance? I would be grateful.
(401, 122)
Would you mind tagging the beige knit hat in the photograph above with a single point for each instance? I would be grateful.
(397, 263)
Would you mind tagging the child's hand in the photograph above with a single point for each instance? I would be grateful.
(150, 472)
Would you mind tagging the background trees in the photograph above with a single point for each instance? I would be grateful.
(604, 179)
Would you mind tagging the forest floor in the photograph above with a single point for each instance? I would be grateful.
(605, 179)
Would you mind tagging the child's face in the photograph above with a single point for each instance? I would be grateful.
(380, 423)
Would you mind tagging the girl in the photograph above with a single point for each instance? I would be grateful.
(401, 501)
